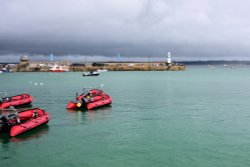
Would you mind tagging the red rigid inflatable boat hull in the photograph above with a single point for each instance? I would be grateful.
(99, 103)
(98, 98)
(71, 105)
(17, 100)
(56, 71)
(42, 118)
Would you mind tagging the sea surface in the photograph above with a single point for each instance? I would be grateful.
(194, 118)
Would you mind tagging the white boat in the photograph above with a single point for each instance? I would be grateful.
(1, 72)
(6, 70)
(91, 73)
(104, 70)
(58, 68)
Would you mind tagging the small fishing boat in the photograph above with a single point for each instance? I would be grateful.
(89, 99)
(6, 70)
(91, 73)
(23, 121)
(58, 68)
(103, 70)
(16, 100)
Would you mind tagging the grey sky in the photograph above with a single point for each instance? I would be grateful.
(190, 29)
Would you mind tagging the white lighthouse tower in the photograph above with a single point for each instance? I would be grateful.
(169, 58)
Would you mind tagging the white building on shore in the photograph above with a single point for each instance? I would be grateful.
(169, 61)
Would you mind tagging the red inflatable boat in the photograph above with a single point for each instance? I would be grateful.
(23, 121)
(90, 99)
(15, 100)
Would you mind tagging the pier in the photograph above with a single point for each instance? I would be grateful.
(44, 66)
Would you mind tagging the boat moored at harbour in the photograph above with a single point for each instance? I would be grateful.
(89, 99)
(91, 73)
(103, 70)
(16, 100)
(58, 68)
(23, 121)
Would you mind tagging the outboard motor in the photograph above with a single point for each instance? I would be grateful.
(7, 121)
(4, 123)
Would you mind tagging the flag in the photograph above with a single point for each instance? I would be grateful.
(118, 56)
(51, 57)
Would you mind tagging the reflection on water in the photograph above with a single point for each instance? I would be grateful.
(99, 112)
(33, 134)
(82, 114)
(30, 135)
(7, 146)
(5, 138)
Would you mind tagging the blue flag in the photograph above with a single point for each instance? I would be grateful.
(51, 57)
(118, 56)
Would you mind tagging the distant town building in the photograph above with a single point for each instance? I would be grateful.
(24, 61)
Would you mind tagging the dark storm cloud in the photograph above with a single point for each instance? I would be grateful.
(195, 29)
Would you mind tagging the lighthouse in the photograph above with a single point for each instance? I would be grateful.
(169, 58)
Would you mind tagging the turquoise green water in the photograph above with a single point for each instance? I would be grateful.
(198, 117)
